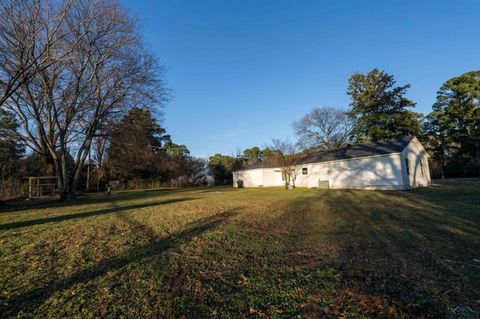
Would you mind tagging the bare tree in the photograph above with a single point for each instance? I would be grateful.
(100, 144)
(93, 71)
(324, 127)
(24, 42)
(285, 154)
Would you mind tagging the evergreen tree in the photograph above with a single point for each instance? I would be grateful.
(11, 150)
(253, 155)
(134, 145)
(379, 109)
(454, 124)
(175, 150)
(222, 166)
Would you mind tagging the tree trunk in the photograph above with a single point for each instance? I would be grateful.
(58, 173)
(63, 177)
(76, 177)
(50, 166)
(442, 163)
(442, 167)
(477, 157)
(287, 179)
(98, 179)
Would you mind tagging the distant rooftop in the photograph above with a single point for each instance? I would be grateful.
(383, 147)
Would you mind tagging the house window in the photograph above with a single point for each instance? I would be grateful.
(407, 166)
(304, 171)
(421, 168)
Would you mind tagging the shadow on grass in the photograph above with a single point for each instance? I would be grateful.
(412, 250)
(414, 247)
(62, 218)
(96, 198)
(28, 302)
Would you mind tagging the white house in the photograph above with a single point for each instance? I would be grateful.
(400, 163)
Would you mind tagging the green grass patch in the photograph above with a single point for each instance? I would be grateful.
(228, 253)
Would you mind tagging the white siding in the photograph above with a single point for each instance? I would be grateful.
(379, 172)
(250, 178)
(419, 171)
(272, 177)
(259, 177)
(374, 172)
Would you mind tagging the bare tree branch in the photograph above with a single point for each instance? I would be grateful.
(327, 128)
(285, 154)
(69, 68)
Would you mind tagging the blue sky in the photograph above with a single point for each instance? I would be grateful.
(242, 71)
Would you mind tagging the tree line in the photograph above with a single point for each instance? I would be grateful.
(76, 78)
(379, 110)
(135, 149)
(80, 95)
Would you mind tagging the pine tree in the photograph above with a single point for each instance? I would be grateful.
(11, 149)
(135, 141)
(454, 123)
(379, 109)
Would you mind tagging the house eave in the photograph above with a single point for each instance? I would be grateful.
(320, 162)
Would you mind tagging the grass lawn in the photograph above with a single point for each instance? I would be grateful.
(224, 252)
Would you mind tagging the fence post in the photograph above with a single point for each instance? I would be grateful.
(29, 188)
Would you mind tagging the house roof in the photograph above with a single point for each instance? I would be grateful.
(263, 164)
(395, 145)
(383, 147)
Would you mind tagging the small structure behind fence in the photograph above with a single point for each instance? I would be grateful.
(42, 186)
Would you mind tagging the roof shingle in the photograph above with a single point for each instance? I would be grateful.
(395, 145)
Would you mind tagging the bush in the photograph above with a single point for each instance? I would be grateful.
(138, 184)
(13, 188)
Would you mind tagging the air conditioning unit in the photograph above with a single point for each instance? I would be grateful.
(323, 184)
